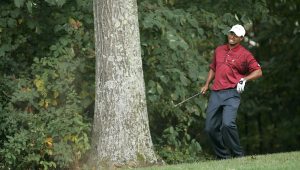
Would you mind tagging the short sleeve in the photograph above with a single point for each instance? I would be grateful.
(213, 63)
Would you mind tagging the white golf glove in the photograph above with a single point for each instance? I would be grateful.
(241, 85)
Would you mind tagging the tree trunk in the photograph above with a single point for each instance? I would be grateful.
(121, 133)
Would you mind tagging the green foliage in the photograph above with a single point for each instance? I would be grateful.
(269, 121)
(31, 3)
(53, 131)
(56, 2)
(47, 82)
(173, 68)
(19, 3)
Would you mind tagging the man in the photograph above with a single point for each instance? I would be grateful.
(231, 68)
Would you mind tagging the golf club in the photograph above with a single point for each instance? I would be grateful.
(187, 99)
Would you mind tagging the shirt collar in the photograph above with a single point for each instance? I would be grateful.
(233, 49)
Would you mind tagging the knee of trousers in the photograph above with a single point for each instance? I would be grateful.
(229, 125)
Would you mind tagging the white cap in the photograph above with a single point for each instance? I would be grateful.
(238, 30)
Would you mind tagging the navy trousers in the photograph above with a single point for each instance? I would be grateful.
(221, 123)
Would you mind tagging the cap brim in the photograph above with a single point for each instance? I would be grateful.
(240, 35)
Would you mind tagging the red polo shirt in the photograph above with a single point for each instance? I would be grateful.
(230, 65)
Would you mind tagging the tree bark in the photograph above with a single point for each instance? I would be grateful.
(121, 134)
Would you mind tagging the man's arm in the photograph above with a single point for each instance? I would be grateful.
(254, 75)
(210, 77)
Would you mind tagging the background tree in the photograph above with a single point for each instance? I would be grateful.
(121, 133)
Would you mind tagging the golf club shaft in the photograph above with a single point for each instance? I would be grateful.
(187, 99)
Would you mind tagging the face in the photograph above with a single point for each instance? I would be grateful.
(233, 39)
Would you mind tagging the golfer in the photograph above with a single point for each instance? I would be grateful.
(232, 66)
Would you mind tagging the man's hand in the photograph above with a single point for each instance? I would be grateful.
(241, 85)
(204, 89)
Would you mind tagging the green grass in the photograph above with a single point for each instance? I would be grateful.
(280, 161)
